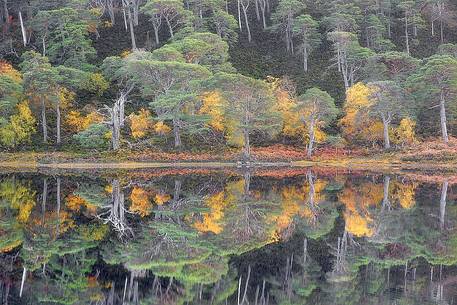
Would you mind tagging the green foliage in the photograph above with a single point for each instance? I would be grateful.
(94, 137)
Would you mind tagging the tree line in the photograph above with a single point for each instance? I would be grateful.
(181, 84)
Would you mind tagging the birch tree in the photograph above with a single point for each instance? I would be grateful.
(316, 109)
(388, 102)
(249, 107)
(40, 83)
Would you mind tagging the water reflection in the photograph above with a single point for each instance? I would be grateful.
(262, 237)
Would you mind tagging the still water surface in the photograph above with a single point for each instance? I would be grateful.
(285, 236)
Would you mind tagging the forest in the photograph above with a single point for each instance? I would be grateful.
(229, 77)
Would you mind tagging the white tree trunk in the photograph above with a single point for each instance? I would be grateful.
(311, 138)
(385, 123)
(443, 119)
(443, 203)
(44, 124)
(24, 34)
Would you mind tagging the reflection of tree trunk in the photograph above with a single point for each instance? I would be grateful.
(443, 204)
(58, 207)
(311, 188)
(177, 192)
(247, 184)
(385, 200)
(44, 199)
(24, 274)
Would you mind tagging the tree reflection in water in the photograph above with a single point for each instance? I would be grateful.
(309, 236)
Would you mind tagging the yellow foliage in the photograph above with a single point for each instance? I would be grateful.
(125, 53)
(161, 128)
(76, 122)
(355, 125)
(20, 127)
(96, 84)
(141, 204)
(405, 133)
(140, 123)
(66, 97)
(161, 198)
(8, 70)
(213, 106)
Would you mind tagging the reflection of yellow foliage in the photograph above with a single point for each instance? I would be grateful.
(213, 106)
(217, 204)
(297, 202)
(141, 204)
(95, 233)
(357, 203)
(140, 123)
(19, 196)
(358, 225)
(75, 203)
(404, 193)
(161, 198)
(211, 220)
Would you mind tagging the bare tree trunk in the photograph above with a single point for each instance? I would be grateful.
(170, 28)
(44, 199)
(110, 7)
(176, 132)
(132, 31)
(262, 10)
(125, 20)
(305, 59)
(24, 34)
(311, 137)
(443, 203)
(257, 13)
(407, 33)
(385, 123)
(136, 8)
(59, 140)
(43, 41)
(6, 13)
(239, 15)
(156, 34)
(43, 120)
(247, 145)
(24, 274)
(443, 119)
(245, 12)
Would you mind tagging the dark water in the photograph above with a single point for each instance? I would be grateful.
(286, 236)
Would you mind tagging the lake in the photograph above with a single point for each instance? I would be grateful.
(228, 236)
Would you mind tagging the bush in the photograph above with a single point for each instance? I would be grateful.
(95, 136)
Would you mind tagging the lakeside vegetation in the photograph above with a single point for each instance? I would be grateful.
(265, 80)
